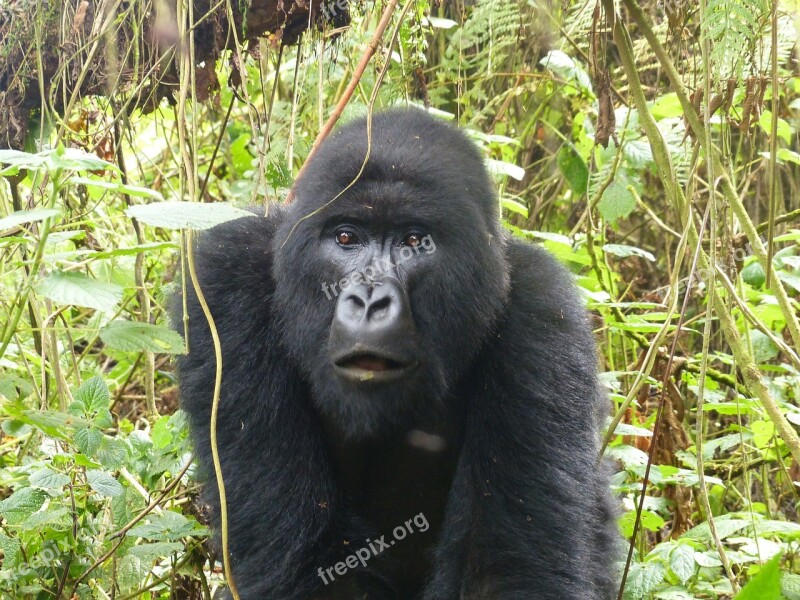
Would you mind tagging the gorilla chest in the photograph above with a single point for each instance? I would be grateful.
(389, 482)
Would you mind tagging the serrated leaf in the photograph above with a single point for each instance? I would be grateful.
(617, 201)
(57, 517)
(93, 394)
(12, 551)
(725, 528)
(27, 216)
(53, 423)
(150, 552)
(48, 479)
(112, 453)
(785, 529)
(132, 336)
(790, 585)
(766, 584)
(131, 572)
(88, 440)
(638, 154)
(22, 504)
(186, 215)
(643, 578)
(103, 483)
(682, 562)
(168, 526)
(79, 290)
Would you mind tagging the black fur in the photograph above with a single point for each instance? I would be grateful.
(501, 388)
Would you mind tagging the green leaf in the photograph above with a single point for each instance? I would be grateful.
(665, 106)
(753, 274)
(22, 504)
(574, 169)
(103, 483)
(168, 526)
(53, 517)
(12, 551)
(80, 290)
(440, 23)
(183, 215)
(763, 432)
(785, 529)
(129, 190)
(514, 206)
(499, 167)
(682, 562)
(19, 160)
(638, 154)
(53, 423)
(27, 216)
(93, 394)
(725, 528)
(132, 336)
(149, 553)
(112, 453)
(643, 578)
(131, 572)
(790, 585)
(766, 585)
(764, 349)
(623, 251)
(650, 521)
(784, 129)
(617, 201)
(48, 479)
(76, 159)
(88, 440)
(561, 64)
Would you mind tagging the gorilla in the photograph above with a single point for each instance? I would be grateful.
(409, 405)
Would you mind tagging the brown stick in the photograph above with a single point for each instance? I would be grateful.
(372, 47)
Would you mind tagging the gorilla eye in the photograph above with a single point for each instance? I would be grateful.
(413, 239)
(346, 238)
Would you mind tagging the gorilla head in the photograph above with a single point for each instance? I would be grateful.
(369, 259)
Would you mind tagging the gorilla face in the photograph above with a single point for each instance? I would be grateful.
(384, 280)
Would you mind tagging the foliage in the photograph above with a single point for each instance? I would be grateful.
(96, 483)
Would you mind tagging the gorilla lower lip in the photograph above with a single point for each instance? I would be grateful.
(370, 367)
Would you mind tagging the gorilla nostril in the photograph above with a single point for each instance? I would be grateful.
(357, 301)
(380, 308)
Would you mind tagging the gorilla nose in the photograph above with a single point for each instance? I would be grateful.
(365, 309)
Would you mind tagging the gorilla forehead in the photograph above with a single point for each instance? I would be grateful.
(413, 157)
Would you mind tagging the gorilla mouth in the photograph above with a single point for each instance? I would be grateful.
(365, 366)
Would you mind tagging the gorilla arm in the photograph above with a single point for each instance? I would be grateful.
(523, 519)
(269, 445)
